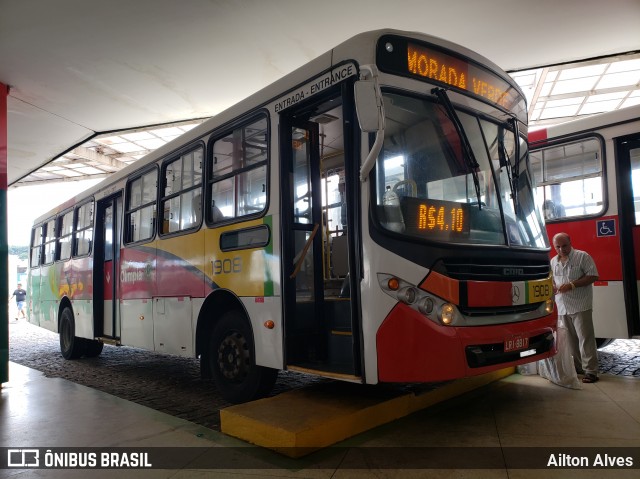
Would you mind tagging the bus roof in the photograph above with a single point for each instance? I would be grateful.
(584, 125)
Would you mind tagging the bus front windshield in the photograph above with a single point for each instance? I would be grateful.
(455, 179)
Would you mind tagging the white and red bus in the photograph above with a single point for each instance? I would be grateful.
(369, 217)
(588, 177)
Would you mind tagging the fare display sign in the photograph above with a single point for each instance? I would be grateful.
(435, 219)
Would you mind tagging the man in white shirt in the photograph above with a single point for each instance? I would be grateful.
(574, 273)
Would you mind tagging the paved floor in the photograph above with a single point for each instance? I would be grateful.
(518, 427)
(169, 384)
(172, 384)
(622, 358)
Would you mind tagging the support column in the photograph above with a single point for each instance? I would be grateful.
(4, 248)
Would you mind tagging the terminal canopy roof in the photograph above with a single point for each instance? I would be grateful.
(96, 85)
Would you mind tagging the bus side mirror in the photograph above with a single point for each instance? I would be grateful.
(368, 105)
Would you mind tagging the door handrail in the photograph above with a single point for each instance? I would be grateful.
(304, 252)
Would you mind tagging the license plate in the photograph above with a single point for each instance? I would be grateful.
(515, 343)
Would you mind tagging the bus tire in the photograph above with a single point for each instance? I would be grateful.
(232, 360)
(92, 348)
(71, 346)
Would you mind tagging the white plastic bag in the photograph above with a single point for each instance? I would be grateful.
(559, 369)
(529, 369)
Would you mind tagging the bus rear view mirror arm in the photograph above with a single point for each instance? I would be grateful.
(370, 110)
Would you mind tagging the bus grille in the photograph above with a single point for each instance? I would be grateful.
(499, 310)
(489, 270)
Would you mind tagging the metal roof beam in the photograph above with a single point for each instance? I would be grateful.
(40, 181)
(92, 155)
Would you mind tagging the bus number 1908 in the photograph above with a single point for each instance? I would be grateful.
(541, 291)
(227, 266)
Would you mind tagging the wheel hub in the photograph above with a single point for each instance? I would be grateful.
(233, 356)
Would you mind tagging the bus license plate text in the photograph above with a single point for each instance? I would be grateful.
(515, 343)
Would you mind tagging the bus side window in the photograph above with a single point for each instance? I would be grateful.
(36, 247)
(65, 231)
(140, 212)
(237, 181)
(570, 178)
(181, 205)
(83, 230)
(49, 241)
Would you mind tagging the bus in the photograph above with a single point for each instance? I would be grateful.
(588, 177)
(368, 217)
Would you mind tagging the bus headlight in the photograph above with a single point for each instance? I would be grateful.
(426, 305)
(447, 312)
(548, 306)
(407, 295)
(435, 309)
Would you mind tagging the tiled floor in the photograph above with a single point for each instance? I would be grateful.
(479, 434)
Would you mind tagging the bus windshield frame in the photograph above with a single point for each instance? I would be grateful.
(427, 190)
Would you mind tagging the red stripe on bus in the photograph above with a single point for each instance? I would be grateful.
(489, 293)
(538, 135)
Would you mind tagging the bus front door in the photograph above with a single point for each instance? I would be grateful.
(319, 310)
(628, 163)
(107, 256)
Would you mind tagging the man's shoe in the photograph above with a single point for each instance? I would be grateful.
(590, 378)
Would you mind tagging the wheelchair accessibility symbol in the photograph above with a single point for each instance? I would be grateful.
(606, 228)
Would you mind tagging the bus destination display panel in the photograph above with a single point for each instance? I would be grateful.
(416, 60)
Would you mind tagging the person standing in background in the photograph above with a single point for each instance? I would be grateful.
(21, 297)
(574, 273)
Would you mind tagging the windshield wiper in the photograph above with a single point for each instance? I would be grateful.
(467, 151)
(505, 160)
(516, 163)
(513, 169)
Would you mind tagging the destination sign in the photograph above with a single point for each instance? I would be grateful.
(408, 58)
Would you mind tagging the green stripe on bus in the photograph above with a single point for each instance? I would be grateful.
(268, 254)
(526, 292)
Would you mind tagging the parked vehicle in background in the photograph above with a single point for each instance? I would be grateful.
(588, 177)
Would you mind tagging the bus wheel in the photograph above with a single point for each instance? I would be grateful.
(71, 346)
(232, 360)
(92, 348)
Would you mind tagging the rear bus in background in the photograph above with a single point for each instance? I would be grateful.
(588, 177)
(369, 217)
